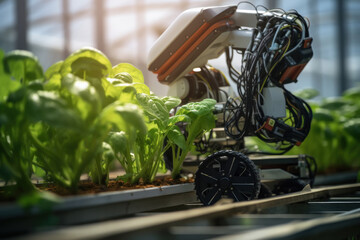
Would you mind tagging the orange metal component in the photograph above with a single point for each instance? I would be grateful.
(292, 73)
(307, 42)
(186, 51)
(183, 48)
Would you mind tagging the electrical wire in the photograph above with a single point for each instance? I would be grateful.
(277, 35)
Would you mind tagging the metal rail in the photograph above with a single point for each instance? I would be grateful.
(207, 222)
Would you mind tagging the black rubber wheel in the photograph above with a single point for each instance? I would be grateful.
(227, 174)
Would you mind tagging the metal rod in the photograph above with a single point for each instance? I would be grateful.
(21, 24)
(66, 27)
(342, 46)
(100, 25)
(313, 6)
(140, 33)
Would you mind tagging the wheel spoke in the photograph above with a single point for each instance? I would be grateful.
(212, 195)
(226, 172)
(237, 195)
(203, 184)
(210, 174)
(231, 166)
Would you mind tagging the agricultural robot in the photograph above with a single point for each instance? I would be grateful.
(264, 51)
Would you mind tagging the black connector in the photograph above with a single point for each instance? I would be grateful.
(283, 131)
(292, 65)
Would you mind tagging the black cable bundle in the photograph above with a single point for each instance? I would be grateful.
(277, 37)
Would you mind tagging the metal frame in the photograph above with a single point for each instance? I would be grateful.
(131, 227)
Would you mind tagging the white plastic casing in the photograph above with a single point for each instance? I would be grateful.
(171, 33)
(274, 102)
(179, 88)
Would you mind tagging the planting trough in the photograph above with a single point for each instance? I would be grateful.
(92, 208)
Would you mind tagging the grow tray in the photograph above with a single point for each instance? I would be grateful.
(95, 207)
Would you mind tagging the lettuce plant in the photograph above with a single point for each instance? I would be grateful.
(159, 124)
(199, 118)
(96, 108)
(59, 127)
(20, 78)
(81, 115)
(335, 132)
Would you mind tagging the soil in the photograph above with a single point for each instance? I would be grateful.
(88, 187)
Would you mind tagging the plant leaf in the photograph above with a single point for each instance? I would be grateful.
(352, 93)
(179, 118)
(51, 109)
(307, 94)
(334, 103)
(23, 66)
(154, 108)
(352, 127)
(136, 74)
(7, 84)
(177, 137)
(124, 77)
(53, 69)
(107, 153)
(201, 114)
(124, 116)
(87, 63)
(81, 88)
(323, 115)
(171, 102)
(118, 141)
(141, 88)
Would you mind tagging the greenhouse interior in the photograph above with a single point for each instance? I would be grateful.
(179, 119)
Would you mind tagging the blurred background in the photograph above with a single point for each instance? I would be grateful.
(126, 30)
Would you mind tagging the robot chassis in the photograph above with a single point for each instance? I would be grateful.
(274, 47)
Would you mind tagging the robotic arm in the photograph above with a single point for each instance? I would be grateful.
(196, 36)
(274, 46)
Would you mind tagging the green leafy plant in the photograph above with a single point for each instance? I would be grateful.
(57, 128)
(159, 124)
(199, 118)
(82, 115)
(90, 108)
(20, 78)
(335, 131)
